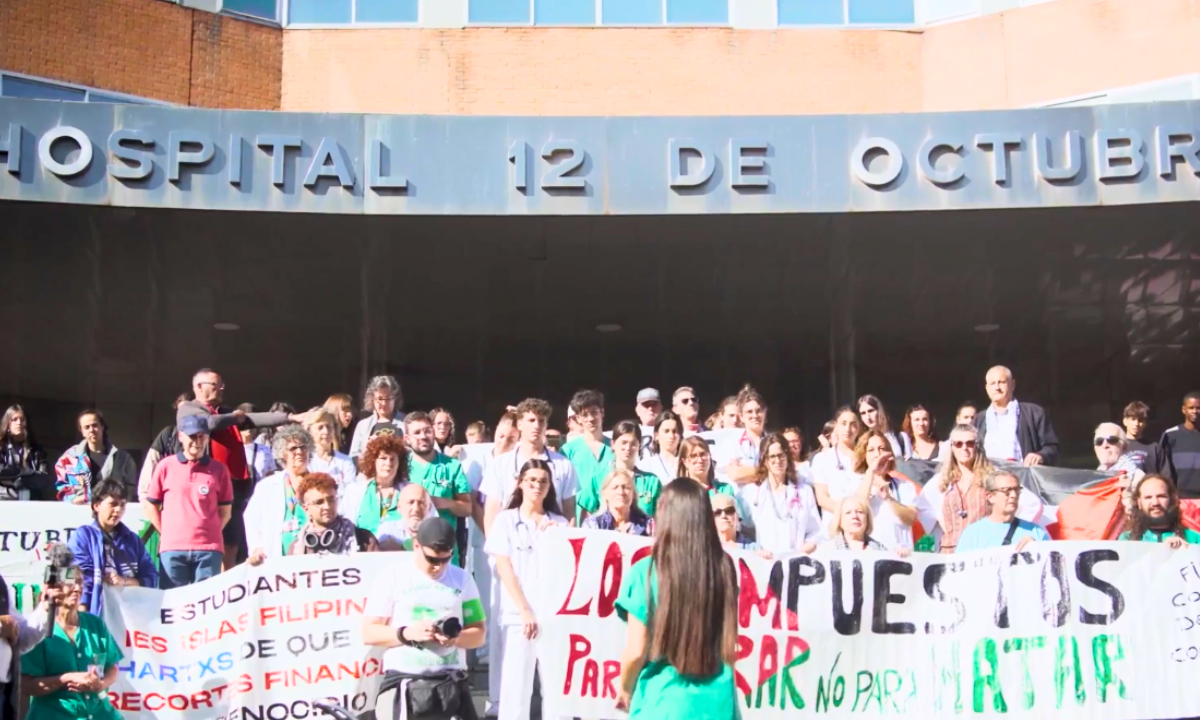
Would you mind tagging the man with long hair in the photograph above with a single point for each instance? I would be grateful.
(1155, 516)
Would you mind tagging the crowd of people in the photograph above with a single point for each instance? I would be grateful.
(225, 485)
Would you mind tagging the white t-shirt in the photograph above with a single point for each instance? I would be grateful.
(837, 474)
(500, 476)
(407, 596)
(516, 538)
(888, 529)
(783, 519)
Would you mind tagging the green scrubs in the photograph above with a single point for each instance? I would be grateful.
(591, 470)
(661, 692)
(648, 487)
(294, 517)
(442, 478)
(57, 655)
(373, 512)
(1191, 537)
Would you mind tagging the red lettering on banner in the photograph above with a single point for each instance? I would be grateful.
(612, 670)
(200, 638)
(610, 580)
(145, 641)
(795, 648)
(748, 598)
(297, 677)
(768, 662)
(642, 552)
(591, 676)
(581, 647)
(153, 702)
(745, 646)
(577, 548)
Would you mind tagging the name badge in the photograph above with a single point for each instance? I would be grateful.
(203, 489)
(291, 525)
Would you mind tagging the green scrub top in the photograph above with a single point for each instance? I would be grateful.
(442, 478)
(374, 512)
(294, 517)
(57, 655)
(662, 693)
(1191, 537)
(648, 487)
(591, 470)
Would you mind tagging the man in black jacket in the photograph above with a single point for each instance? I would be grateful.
(1011, 430)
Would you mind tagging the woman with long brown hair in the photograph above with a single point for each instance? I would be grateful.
(919, 434)
(681, 644)
(784, 510)
(954, 497)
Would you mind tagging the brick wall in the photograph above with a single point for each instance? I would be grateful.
(144, 47)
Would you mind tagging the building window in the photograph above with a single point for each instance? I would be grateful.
(564, 12)
(632, 12)
(11, 86)
(320, 12)
(261, 9)
(841, 12)
(698, 12)
(498, 11)
(385, 11)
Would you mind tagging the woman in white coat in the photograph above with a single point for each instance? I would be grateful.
(274, 516)
(663, 460)
(784, 510)
(512, 543)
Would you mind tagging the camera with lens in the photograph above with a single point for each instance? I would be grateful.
(59, 575)
(450, 627)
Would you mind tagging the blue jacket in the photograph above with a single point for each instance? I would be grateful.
(129, 554)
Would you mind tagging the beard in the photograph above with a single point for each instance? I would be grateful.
(1169, 520)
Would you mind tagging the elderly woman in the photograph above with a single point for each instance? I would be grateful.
(853, 522)
(108, 552)
(619, 507)
(275, 514)
(383, 400)
(326, 532)
(323, 427)
(725, 515)
(374, 498)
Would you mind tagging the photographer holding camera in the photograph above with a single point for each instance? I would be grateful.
(427, 619)
(68, 671)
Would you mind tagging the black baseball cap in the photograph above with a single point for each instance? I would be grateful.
(436, 534)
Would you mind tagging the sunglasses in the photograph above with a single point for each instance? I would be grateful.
(960, 444)
(727, 512)
(687, 401)
(1107, 440)
(435, 560)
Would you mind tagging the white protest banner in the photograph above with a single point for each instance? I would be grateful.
(1099, 630)
(25, 530)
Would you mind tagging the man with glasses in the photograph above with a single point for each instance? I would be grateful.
(225, 446)
(1001, 527)
(189, 501)
(590, 453)
(427, 615)
(440, 475)
(326, 532)
(686, 405)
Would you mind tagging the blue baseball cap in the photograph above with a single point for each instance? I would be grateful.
(193, 425)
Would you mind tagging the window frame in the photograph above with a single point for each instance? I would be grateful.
(87, 90)
(286, 5)
(599, 19)
(280, 14)
(845, 24)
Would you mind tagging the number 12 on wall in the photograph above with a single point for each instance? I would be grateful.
(567, 166)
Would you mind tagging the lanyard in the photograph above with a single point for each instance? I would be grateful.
(390, 505)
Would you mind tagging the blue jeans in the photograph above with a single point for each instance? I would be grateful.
(185, 567)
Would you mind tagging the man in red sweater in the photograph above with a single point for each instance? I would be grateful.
(225, 445)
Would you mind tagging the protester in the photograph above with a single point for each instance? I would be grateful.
(1111, 446)
(752, 416)
(374, 497)
(21, 633)
(259, 460)
(795, 442)
(266, 435)
(275, 514)
(964, 415)
(1011, 430)
(1147, 456)
(1181, 449)
(574, 429)
(323, 426)
(92, 460)
(852, 528)
(785, 512)
(715, 421)
(872, 416)
(626, 441)
(833, 469)
(919, 429)
(383, 400)
(189, 501)
(513, 544)
(165, 444)
(24, 467)
(685, 403)
(892, 500)
(226, 446)
(824, 439)
(954, 497)
(414, 507)
(663, 460)
(725, 516)
(440, 475)
(69, 672)
(407, 608)
(1155, 516)
(590, 452)
(505, 439)
(730, 415)
(108, 552)
(695, 463)
(1001, 527)
(619, 508)
(477, 432)
(444, 433)
(500, 477)
(326, 532)
(649, 406)
(342, 407)
(681, 608)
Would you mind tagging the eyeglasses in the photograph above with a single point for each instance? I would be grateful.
(960, 444)
(219, 386)
(777, 456)
(697, 456)
(1107, 440)
(727, 512)
(435, 560)
(1009, 491)
(298, 450)
(687, 401)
